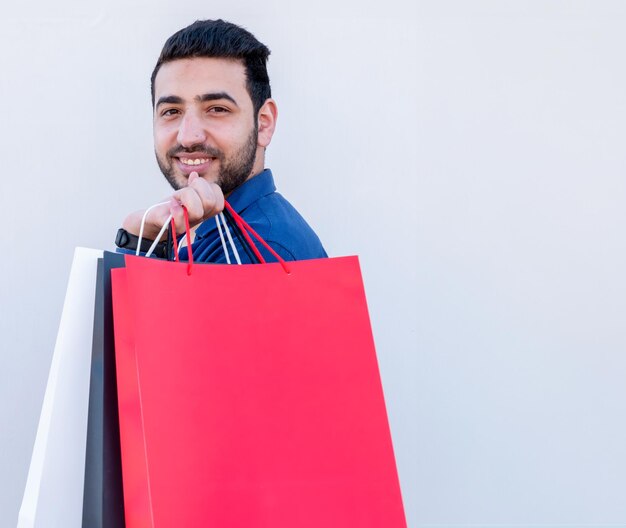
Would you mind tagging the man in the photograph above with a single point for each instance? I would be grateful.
(213, 119)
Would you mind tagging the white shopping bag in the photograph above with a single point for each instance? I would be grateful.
(53, 496)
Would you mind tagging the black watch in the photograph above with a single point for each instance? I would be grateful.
(126, 240)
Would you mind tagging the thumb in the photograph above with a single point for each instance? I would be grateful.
(192, 177)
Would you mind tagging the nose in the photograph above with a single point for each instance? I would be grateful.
(191, 131)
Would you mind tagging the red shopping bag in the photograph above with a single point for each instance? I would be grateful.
(250, 397)
(135, 480)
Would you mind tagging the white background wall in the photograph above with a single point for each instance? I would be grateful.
(472, 153)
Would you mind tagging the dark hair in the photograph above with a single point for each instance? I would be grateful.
(220, 39)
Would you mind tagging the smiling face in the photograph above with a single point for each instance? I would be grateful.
(204, 122)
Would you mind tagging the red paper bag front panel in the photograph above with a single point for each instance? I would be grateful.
(261, 399)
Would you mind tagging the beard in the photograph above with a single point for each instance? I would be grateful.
(233, 170)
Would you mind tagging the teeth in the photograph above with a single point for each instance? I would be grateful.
(193, 161)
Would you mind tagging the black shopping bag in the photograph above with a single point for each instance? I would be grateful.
(103, 500)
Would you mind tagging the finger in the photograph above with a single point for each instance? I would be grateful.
(188, 198)
(177, 214)
(175, 207)
(210, 195)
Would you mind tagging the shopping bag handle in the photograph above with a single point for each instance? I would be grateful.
(141, 227)
(169, 221)
(246, 230)
(244, 227)
(187, 236)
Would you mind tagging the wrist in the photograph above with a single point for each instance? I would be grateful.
(129, 241)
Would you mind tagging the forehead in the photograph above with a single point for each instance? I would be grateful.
(188, 78)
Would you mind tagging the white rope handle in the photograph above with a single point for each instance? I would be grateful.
(161, 233)
(230, 238)
(219, 228)
(143, 223)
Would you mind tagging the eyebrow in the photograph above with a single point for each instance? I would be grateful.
(169, 99)
(213, 96)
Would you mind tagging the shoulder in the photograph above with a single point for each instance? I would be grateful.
(283, 228)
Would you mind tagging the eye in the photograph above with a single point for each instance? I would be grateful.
(169, 112)
(218, 110)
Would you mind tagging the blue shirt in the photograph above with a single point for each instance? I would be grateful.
(270, 215)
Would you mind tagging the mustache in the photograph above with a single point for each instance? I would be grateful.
(211, 152)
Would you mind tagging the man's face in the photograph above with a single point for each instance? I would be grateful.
(204, 122)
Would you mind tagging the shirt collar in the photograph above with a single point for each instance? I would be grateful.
(242, 197)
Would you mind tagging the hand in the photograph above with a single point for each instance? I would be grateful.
(201, 199)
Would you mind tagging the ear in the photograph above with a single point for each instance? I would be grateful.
(268, 114)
